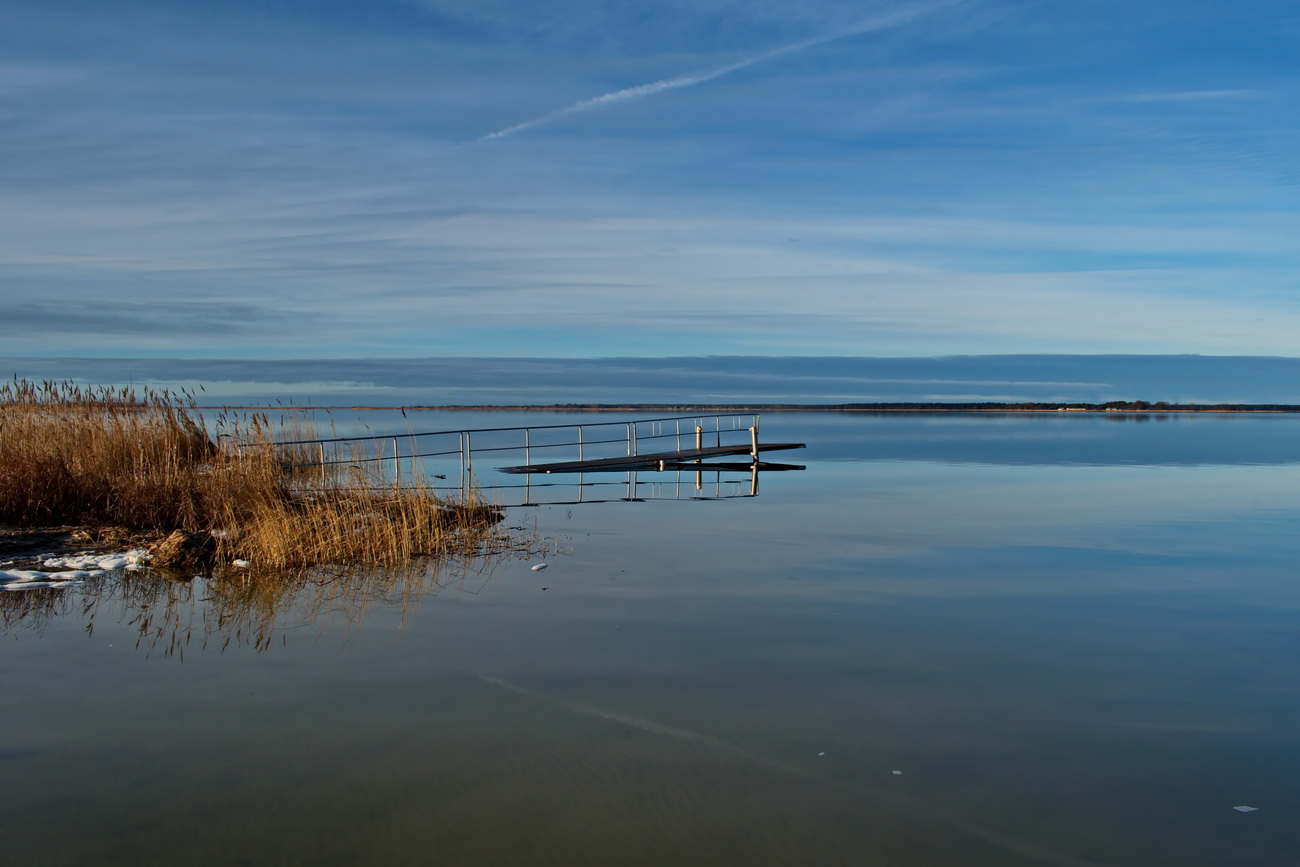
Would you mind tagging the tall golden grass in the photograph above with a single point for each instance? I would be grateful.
(146, 461)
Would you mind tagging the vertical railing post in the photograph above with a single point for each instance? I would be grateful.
(633, 428)
(322, 463)
(527, 459)
(580, 442)
(753, 442)
(397, 466)
(699, 438)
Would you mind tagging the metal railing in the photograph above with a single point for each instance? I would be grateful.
(448, 460)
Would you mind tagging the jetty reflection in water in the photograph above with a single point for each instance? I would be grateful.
(708, 482)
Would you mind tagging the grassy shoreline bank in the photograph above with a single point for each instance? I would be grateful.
(146, 463)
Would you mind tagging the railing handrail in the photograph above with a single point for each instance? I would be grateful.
(389, 436)
(427, 459)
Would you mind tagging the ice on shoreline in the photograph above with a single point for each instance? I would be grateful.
(103, 562)
(72, 570)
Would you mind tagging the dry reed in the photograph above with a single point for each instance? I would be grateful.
(105, 456)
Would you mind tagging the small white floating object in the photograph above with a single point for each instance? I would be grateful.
(897, 773)
(821, 754)
(1244, 809)
(540, 566)
(240, 564)
(117, 561)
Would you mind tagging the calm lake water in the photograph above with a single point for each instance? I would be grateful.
(1076, 637)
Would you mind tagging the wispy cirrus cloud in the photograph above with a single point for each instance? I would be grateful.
(1193, 95)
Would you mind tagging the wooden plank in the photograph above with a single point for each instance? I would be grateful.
(635, 462)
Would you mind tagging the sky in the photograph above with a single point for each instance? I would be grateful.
(286, 179)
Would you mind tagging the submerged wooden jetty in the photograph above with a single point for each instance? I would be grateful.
(685, 444)
(679, 459)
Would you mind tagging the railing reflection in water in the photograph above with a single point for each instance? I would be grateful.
(706, 483)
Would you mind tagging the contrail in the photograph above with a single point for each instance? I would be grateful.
(880, 22)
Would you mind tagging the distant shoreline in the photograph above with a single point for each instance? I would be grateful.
(1111, 408)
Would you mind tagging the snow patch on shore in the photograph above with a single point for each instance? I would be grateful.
(72, 570)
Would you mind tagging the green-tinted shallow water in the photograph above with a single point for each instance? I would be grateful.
(1077, 638)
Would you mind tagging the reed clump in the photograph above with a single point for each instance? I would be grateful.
(147, 461)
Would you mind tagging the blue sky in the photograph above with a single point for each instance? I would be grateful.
(586, 178)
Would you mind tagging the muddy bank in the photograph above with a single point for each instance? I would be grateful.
(20, 546)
